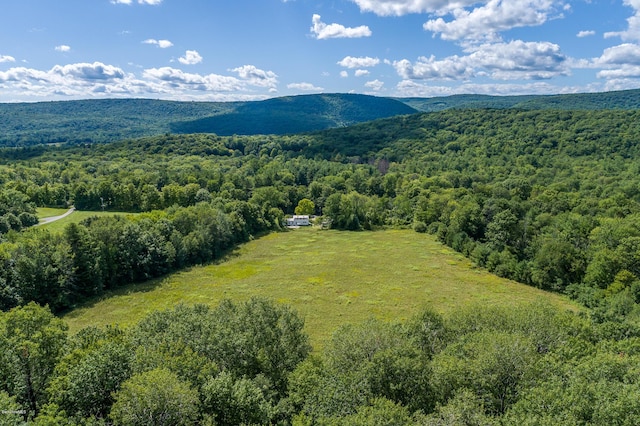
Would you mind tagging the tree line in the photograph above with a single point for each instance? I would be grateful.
(251, 363)
(102, 253)
(548, 198)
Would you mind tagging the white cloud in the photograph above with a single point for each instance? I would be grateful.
(256, 76)
(360, 73)
(633, 31)
(624, 54)
(582, 34)
(361, 62)
(486, 21)
(163, 44)
(191, 57)
(625, 71)
(451, 68)
(375, 85)
(501, 61)
(7, 58)
(410, 88)
(98, 80)
(74, 80)
(306, 87)
(89, 72)
(519, 59)
(325, 31)
(344, 74)
(621, 84)
(618, 65)
(172, 79)
(63, 48)
(404, 7)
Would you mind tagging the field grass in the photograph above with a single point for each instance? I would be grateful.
(43, 212)
(329, 277)
(75, 217)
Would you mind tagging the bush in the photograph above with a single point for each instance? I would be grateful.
(156, 397)
(420, 227)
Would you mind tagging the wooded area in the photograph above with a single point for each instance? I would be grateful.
(550, 198)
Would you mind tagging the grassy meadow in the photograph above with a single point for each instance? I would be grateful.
(329, 277)
(44, 212)
(75, 217)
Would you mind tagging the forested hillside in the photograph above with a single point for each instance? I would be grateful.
(295, 114)
(250, 363)
(109, 120)
(626, 99)
(95, 121)
(550, 198)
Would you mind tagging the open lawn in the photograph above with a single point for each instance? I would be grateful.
(329, 277)
(75, 217)
(44, 212)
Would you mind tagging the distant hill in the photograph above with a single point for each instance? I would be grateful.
(96, 121)
(100, 121)
(579, 133)
(465, 102)
(625, 99)
(295, 114)
(108, 120)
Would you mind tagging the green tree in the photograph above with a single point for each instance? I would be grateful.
(305, 207)
(44, 270)
(363, 362)
(381, 412)
(157, 397)
(600, 389)
(85, 256)
(494, 365)
(31, 343)
(87, 378)
(235, 402)
(464, 409)
(10, 411)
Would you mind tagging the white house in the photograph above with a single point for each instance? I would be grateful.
(298, 220)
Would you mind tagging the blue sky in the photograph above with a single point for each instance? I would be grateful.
(227, 50)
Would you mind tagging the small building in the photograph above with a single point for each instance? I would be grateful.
(298, 220)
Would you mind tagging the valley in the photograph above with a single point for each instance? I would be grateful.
(330, 278)
(480, 258)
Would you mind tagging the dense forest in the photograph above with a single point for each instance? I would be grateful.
(626, 99)
(550, 198)
(108, 120)
(250, 363)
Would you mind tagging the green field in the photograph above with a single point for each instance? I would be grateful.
(329, 277)
(43, 212)
(75, 217)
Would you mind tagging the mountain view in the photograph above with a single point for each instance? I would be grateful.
(100, 121)
(469, 260)
(319, 213)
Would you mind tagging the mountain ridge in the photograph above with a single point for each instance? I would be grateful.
(108, 120)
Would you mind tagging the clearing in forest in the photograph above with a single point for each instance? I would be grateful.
(329, 277)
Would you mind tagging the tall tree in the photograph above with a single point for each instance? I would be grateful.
(31, 344)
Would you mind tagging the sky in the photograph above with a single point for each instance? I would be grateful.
(237, 50)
